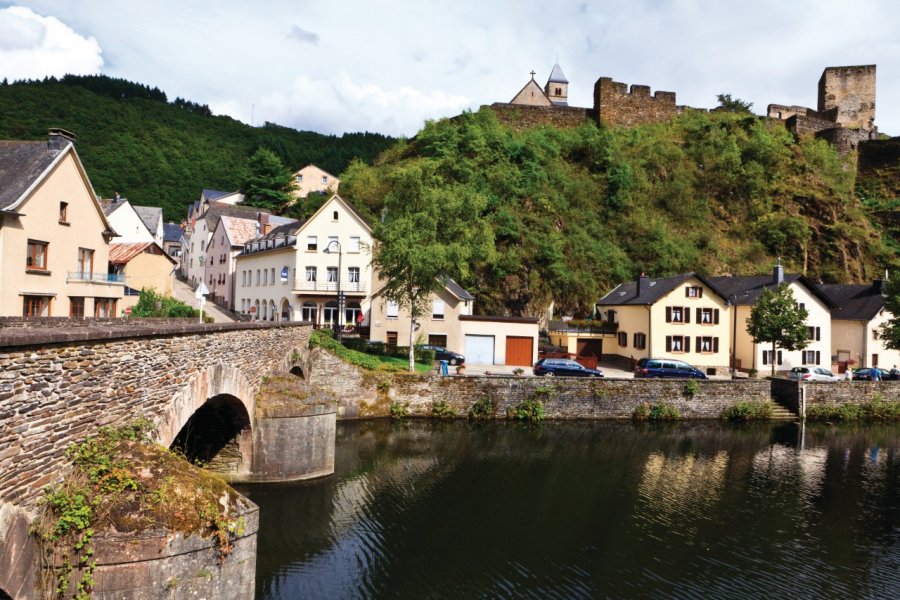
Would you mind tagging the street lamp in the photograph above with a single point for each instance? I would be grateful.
(732, 303)
(340, 296)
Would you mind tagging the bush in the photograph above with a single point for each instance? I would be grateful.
(530, 409)
(661, 411)
(691, 388)
(152, 304)
(748, 411)
(399, 410)
(323, 339)
(483, 408)
(877, 409)
(441, 409)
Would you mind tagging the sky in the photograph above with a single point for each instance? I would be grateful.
(336, 66)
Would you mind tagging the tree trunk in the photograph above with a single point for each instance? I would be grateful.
(772, 363)
(412, 351)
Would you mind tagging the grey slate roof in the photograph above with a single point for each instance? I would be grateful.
(151, 216)
(652, 290)
(212, 195)
(747, 289)
(216, 210)
(855, 302)
(171, 232)
(457, 290)
(556, 75)
(21, 163)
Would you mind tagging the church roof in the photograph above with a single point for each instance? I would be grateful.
(556, 75)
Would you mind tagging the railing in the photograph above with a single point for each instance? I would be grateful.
(96, 277)
(602, 328)
(328, 286)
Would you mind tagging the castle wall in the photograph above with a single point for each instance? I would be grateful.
(843, 139)
(784, 112)
(850, 92)
(616, 105)
(522, 117)
(878, 166)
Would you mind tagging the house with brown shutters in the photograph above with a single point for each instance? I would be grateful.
(54, 236)
(685, 317)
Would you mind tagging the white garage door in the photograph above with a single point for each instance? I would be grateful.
(480, 349)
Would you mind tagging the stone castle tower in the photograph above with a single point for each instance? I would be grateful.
(847, 96)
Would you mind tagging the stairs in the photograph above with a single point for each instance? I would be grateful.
(780, 413)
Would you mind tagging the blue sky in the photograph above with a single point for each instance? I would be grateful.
(336, 66)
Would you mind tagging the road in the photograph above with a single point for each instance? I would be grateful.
(184, 293)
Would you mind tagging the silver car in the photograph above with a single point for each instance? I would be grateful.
(812, 374)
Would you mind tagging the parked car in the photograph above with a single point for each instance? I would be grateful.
(812, 374)
(865, 374)
(441, 353)
(550, 367)
(656, 367)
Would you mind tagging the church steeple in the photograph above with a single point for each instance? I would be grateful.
(557, 88)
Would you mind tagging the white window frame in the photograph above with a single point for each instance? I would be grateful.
(437, 309)
(393, 309)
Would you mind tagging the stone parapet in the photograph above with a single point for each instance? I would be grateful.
(520, 116)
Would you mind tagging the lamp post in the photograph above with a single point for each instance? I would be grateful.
(340, 297)
(732, 304)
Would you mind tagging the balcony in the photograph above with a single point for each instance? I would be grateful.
(301, 286)
(95, 277)
(573, 326)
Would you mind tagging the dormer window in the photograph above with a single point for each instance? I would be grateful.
(324, 179)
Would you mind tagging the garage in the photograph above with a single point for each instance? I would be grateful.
(480, 349)
(519, 351)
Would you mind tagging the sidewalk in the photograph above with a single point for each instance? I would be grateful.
(182, 291)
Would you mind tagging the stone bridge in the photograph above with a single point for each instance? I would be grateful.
(199, 384)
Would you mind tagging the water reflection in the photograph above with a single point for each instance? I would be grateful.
(581, 510)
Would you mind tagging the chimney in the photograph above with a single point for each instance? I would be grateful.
(59, 138)
(643, 283)
(778, 273)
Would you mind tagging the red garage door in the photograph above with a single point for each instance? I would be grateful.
(519, 351)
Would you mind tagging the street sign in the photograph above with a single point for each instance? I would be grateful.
(128, 311)
(252, 310)
(202, 290)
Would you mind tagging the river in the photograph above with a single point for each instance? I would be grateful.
(422, 509)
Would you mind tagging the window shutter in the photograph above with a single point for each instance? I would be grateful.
(818, 334)
(699, 315)
(668, 314)
(818, 356)
(687, 314)
(635, 340)
(698, 344)
(715, 344)
(687, 292)
(668, 342)
(715, 316)
(765, 357)
(699, 292)
(779, 358)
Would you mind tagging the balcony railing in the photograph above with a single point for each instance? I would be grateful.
(96, 277)
(302, 285)
(566, 327)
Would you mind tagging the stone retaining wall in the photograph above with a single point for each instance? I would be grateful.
(792, 394)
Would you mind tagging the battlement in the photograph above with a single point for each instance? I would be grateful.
(616, 104)
(847, 94)
(784, 112)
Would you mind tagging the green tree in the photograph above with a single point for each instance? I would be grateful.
(778, 319)
(726, 102)
(890, 331)
(267, 182)
(431, 230)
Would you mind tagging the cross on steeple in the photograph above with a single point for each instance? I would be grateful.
(532, 73)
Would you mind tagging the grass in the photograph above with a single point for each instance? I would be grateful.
(402, 364)
(372, 362)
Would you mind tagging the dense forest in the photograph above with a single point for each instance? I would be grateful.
(134, 141)
(576, 211)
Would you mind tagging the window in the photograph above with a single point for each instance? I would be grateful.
(392, 339)
(353, 246)
(393, 309)
(693, 291)
(767, 357)
(85, 262)
(331, 274)
(810, 357)
(36, 306)
(311, 274)
(299, 178)
(874, 360)
(874, 334)
(640, 341)
(332, 239)
(272, 279)
(37, 255)
(265, 276)
(76, 307)
(678, 314)
(437, 309)
(104, 308)
(324, 179)
(64, 212)
(708, 316)
(707, 344)
(623, 339)
(312, 243)
(353, 274)
(257, 277)
(677, 343)
(334, 216)
(814, 333)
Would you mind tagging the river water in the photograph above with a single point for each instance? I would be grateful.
(423, 509)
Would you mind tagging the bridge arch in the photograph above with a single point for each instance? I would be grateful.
(220, 422)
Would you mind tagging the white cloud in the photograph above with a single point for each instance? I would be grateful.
(302, 35)
(32, 46)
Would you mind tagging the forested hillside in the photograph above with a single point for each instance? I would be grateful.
(576, 211)
(132, 140)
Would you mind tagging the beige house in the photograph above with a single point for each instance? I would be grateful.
(856, 326)
(743, 291)
(296, 271)
(142, 265)
(54, 237)
(684, 317)
(311, 179)
(198, 234)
